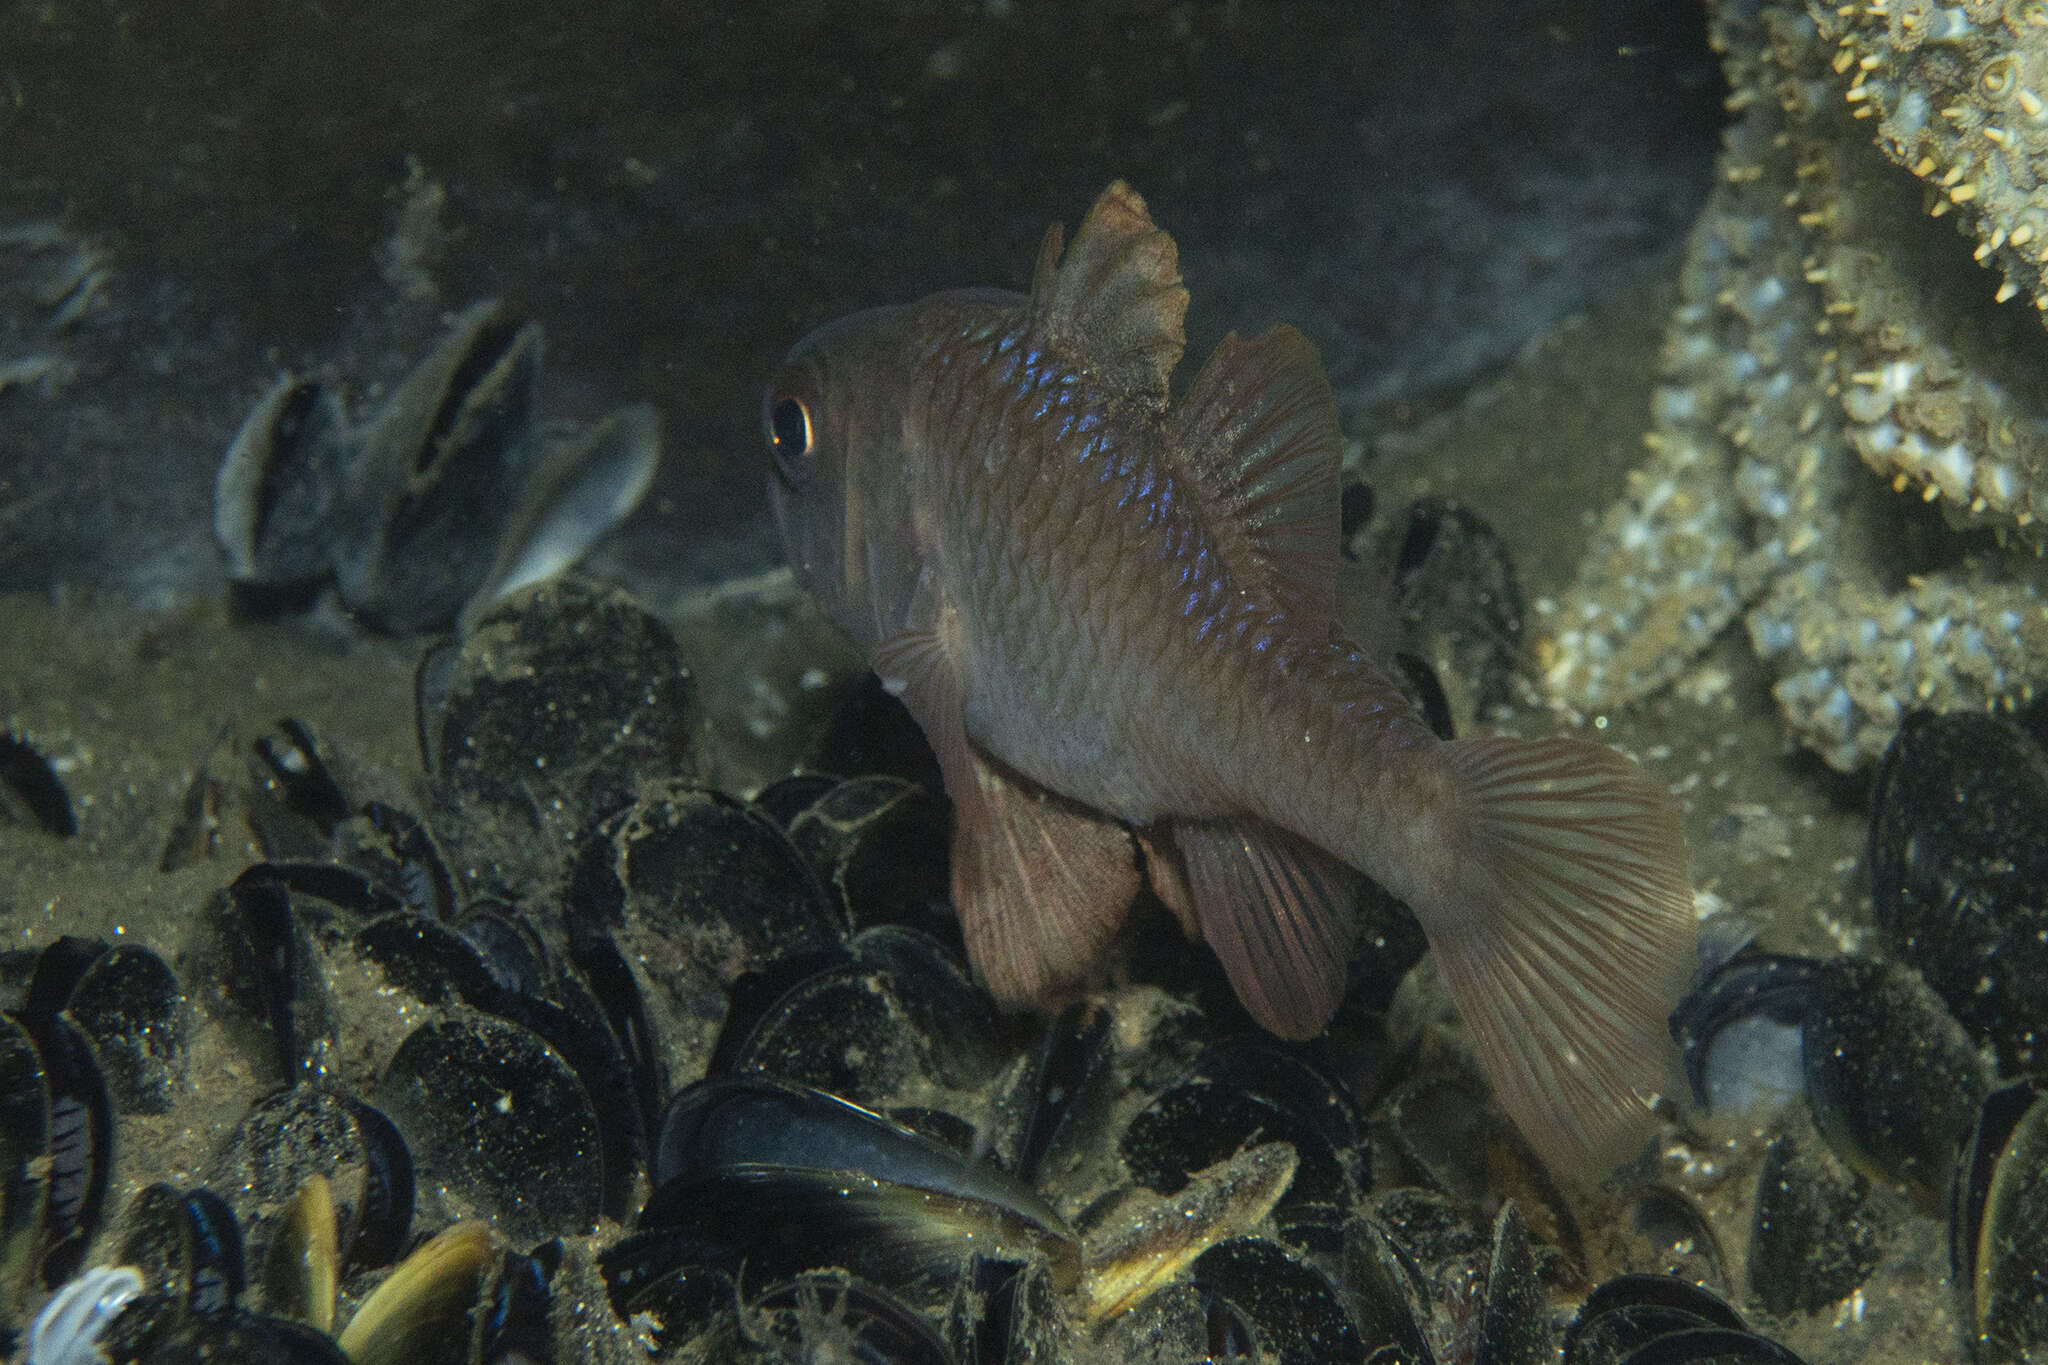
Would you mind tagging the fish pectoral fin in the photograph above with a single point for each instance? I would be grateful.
(1567, 938)
(1040, 883)
(1115, 301)
(1278, 912)
(1258, 435)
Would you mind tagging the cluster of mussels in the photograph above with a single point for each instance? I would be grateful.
(1899, 1059)
(589, 1062)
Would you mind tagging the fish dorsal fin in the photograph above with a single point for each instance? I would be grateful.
(1279, 914)
(1258, 435)
(1114, 302)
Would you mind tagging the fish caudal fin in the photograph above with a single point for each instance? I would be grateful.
(1566, 938)
(1279, 914)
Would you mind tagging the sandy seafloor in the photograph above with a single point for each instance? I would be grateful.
(1525, 396)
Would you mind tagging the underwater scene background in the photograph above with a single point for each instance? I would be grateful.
(461, 902)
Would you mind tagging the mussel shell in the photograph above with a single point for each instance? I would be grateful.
(1632, 1312)
(1455, 588)
(1513, 1326)
(514, 1325)
(1007, 1314)
(1387, 1293)
(129, 1002)
(293, 777)
(383, 1214)
(269, 947)
(273, 499)
(188, 1245)
(491, 1111)
(286, 1139)
(1998, 1228)
(1066, 1093)
(30, 790)
(81, 1148)
(245, 1338)
(563, 703)
(1296, 1314)
(832, 1316)
(24, 1172)
(898, 1011)
(881, 843)
(793, 1171)
(1814, 1236)
(395, 849)
(1958, 859)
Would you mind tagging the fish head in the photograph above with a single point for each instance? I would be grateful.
(843, 471)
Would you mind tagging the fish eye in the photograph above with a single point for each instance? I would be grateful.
(790, 434)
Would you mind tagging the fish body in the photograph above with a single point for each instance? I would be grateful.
(1109, 610)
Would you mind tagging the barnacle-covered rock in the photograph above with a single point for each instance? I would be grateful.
(448, 497)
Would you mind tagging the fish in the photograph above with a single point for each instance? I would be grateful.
(1113, 614)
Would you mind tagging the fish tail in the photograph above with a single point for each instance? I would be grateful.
(1566, 933)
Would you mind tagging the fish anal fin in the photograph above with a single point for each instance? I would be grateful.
(1567, 939)
(1258, 434)
(1040, 883)
(1279, 914)
(1115, 302)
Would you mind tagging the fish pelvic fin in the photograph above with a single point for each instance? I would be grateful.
(1567, 936)
(1114, 301)
(1278, 912)
(1040, 884)
(1258, 433)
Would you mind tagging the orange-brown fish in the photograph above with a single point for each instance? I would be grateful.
(1109, 609)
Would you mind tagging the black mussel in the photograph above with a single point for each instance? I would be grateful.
(509, 949)
(783, 1174)
(868, 1028)
(441, 966)
(24, 1165)
(829, 1315)
(872, 732)
(1891, 1078)
(1294, 1314)
(275, 495)
(1661, 1320)
(1514, 1327)
(1958, 867)
(283, 1143)
(1815, 1236)
(881, 843)
(1007, 1314)
(558, 709)
(394, 849)
(1451, 1140)
(676, 1280)
(58, 969)
(298, 800)
(269, 948)
(1666, 1232)
(615, 993)
(1388, 1296)
(31, 793)
(81, 1147)
(1066, 1093)
(1998, 1228)
(244, 1337)
(195, 832)
(495, 1115)
(188, 1246)
(130, 1004)
(786, 798)
(514, 1326)
(1249, 1093)
(1455, 589)
(383, 1213)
